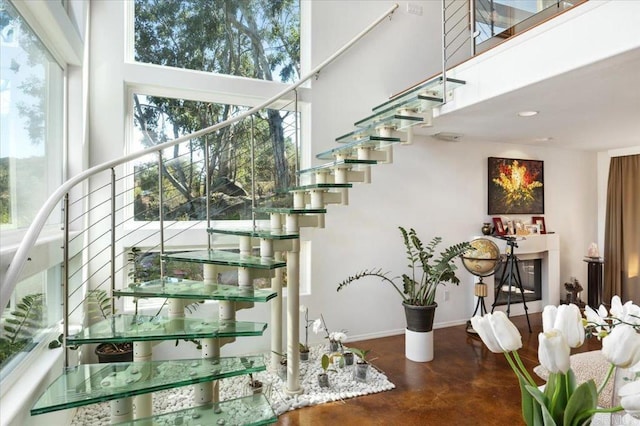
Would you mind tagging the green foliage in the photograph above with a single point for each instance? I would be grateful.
(100, 304)
(361, 353)
(327, 360)
(426, 271)
(21, 325)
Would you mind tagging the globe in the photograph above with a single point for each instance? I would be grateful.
(483, 259)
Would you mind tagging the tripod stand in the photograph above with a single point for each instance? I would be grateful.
(511, 276)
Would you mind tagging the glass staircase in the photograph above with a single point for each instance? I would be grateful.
(370, 144)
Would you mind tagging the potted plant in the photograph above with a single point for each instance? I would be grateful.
(418, 287)
(304, 348)
(326, 361)
(100, 305)
(362, 364)
(418, 290)
(336, 338)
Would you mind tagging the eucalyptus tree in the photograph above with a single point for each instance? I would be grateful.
(250, 38)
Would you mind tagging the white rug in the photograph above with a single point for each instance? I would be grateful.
(342, 386)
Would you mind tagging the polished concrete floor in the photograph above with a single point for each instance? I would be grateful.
(465, 384)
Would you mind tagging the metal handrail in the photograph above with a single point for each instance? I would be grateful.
(22, 253)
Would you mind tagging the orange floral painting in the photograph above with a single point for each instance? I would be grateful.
(515, 186)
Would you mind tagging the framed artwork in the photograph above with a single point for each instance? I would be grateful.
(515, 186)
(498, 226)
(532, 229)
(539, 221)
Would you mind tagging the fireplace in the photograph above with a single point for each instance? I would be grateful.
(531, 277)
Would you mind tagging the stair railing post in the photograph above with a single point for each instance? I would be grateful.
(296, 136)
(161, 213)
(444, 51)
(253, 176)
(65, 279)
(207, 189)
(112, 269)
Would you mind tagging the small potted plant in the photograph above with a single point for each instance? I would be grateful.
(281, 368)
(336, 338)
(348, 357)
(304, 348)
(362, 365)
(326, 361)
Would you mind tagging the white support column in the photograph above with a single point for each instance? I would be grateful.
(363, 154)
(341, 176)
(275, 222)
(387, 132)
(143, 404)
(298, 200)
(317, 202)
(204, 393)
(276, 312)
(293, 318)
(245, 245)
(210, 274)
(226, 312)
(121, 410)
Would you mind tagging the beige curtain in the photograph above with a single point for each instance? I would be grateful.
(622, 230)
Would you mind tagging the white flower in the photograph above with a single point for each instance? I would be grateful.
(566, 319)
(553, 351)
(497, 332)
(630, 397)
(338, 336)
(622, 346)
(597, 320)
(303, 309)
(317, 326)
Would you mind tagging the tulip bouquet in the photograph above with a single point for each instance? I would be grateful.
(563, 401)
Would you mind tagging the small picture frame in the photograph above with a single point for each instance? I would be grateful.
(532, 229)
(539, 221)
(498, 226)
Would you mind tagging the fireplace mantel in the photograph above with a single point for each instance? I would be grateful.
(545, 247)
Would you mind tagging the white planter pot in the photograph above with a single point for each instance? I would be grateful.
(418, 346)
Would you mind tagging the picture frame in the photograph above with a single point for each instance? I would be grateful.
(532, 229)
(498, 226)
(515, 186)
(539, 221)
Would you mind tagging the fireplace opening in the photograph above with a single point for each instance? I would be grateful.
(531, 276)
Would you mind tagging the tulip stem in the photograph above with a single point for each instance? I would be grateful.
(607, 377)
(526, 374)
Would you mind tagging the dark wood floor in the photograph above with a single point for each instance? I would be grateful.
(465, 384)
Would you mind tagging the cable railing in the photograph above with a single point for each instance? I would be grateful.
(97, 237)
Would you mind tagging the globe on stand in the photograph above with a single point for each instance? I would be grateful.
(483, 260)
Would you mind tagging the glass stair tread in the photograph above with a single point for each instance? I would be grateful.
(431, 88)
(189, 289)
(347, 163)
(93, 383)
(320, 186)
(267, 234)
(126, 328)
(220, 257)
(286, 210)
(251, 410)
(349, 149)
(390, 119)
(364, 136)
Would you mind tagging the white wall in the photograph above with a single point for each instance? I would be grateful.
(439, 188)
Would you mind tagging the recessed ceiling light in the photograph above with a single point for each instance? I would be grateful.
(544, 139)
(527, 113)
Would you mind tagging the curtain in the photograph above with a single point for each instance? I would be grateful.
(622, 230)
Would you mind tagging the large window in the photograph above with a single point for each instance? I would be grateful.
(31, 114)
(231, 179)
(249, 38)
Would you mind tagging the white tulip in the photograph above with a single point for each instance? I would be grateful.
(569, 322)
(549, 314)
(630, 397)
(497, 332)
(553, 351)
(622, 346)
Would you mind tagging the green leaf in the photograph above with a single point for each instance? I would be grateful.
(530, 408)
(547, 418)
(583, 399)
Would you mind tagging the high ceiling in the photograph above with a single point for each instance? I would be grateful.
(596, 107)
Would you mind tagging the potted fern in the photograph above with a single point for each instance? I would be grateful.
(427, 271)
(100, 305)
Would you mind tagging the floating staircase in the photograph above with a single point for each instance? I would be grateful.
(350, 162)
